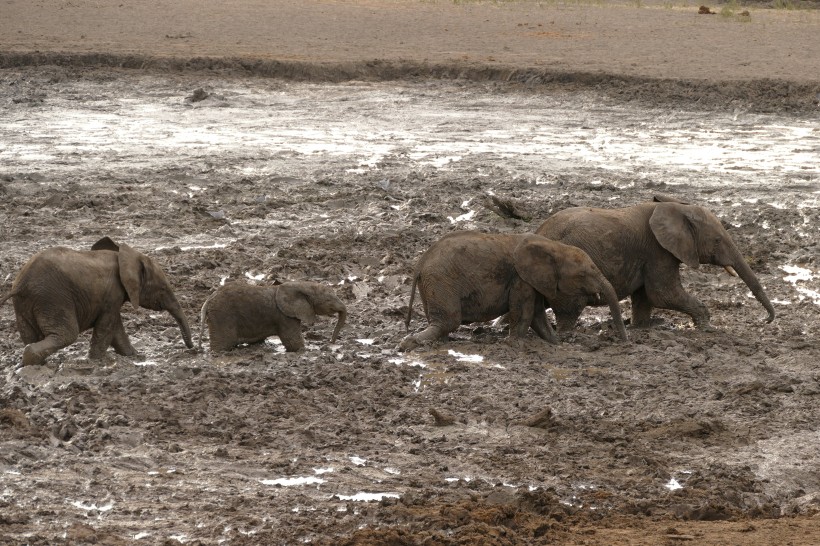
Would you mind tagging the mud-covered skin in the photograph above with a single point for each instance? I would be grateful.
(184, 444)
(469, 276)
(640, 249)
(61, 292)
(241, 313)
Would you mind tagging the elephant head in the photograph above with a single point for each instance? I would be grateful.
(146, 284)
(566, 277)
(696, 236)
(305, 300)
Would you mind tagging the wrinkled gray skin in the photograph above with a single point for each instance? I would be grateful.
(472, 277)
(241, 313)
(61, 292)
(640, 250)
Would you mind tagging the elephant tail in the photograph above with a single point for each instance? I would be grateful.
(202, 316)
(7, 296)
(410, 305)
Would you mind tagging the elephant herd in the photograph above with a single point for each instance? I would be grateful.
(578, 257)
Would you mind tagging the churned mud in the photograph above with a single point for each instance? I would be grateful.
(165, 125)
(675, 435)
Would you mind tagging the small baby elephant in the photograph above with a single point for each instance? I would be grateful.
(242, 313)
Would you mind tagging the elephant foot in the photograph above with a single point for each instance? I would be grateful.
(639, 323)
(97, 354)
(32, 358)
(126, 351)
(408, 344)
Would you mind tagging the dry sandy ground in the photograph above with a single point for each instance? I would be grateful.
(678, 436)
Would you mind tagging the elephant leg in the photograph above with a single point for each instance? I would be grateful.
(221, 340)
(292, 339)
(541, 325)
(102, 336)
(29, 333)
(35, 354)
(440, 324)
(677, 299)
(641, 309)
(120, 342)
(522, 303)
(52, 332)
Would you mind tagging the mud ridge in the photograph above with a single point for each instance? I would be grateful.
(759, 95)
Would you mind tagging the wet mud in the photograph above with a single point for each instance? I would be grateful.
(476, 440)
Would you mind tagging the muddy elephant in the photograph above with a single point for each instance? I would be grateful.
(472, 277)
(640, 249)
(61, 292)
(242, 313)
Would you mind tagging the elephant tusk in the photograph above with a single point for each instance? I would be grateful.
(730, 270)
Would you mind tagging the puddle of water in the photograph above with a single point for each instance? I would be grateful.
(673, 484)
(297, 480)
(368, 497)
(92, 506)
(315, 122)
(358, 461)
(802, 276)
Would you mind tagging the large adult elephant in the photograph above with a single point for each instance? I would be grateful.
(61, 292)
(640, 249)
(468, 276)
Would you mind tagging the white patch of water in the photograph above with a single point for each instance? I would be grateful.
(258, 277)
(368, 497)
(461, 357)
(88, 507)
(400, 360)
(797, 274)
(462, 217)
(358, 461)
(290, 482)
(673, 484)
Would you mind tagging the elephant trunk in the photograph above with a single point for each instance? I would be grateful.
(611, 298)
(747, 275)
(175, 310)
(339, 323)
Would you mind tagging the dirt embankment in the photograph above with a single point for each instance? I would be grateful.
(751, 57)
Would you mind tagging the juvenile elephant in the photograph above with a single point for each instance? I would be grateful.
(61, 292)
(242, 313)
(471, 277)
(640, 249)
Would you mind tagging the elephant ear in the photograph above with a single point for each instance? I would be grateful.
(105, 244)
(536, 265)
(675, 232)
(131, 272)
(295, 303)
(662, 198)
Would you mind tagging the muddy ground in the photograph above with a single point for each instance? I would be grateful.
(347, 184)
(221, 175)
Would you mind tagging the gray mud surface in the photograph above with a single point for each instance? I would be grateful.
(472, 441)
